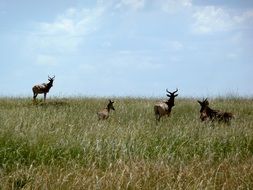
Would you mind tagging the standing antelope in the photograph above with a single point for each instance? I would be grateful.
(43, 88)
(104, 114)
(207, 113)
(164, 108)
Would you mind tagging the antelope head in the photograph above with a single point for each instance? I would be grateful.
(172, 96)
(51, 79)
(203, 110)
(110, 105)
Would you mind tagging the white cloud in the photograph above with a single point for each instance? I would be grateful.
(45, 60)
(211, 19)
(246, 16)
(173, 6)
(64, 35)
(133, 4)
(73, 22)
(175, 45)
(54, 44)
(127, 60)
(66, 32)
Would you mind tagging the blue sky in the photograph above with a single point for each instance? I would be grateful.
(127, 47)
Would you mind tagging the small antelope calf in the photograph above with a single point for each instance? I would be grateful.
(104, 114)
(164, 108)
(207, 113)
(43, 88)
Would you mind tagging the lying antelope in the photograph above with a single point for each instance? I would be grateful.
(104, 114)
(164, 108)
(207, 113)
(43, 88)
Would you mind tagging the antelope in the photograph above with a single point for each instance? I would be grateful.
(43, 88)
(164, 108)
(207, 113)
(104, 114)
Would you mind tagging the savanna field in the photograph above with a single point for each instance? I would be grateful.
(61, 144)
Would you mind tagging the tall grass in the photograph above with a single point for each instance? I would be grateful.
(61, 144)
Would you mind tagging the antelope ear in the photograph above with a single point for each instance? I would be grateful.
(175, 95)
(199, 102)
(168, 95)
(111, 101)
(205, 101)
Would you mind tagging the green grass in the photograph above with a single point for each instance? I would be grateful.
(61, 144)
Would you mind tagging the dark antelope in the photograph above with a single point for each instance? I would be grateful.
(43, 88)
(104, 114)
(207, 113)
(164, 108)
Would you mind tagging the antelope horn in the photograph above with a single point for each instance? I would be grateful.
(51, 77)
(172, 92)
(168, 91)
(175, 91)
(206, 101)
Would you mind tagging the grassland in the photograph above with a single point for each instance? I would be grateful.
(61, 144)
